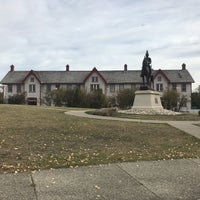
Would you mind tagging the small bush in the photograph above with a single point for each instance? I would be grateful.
(17, 99)
(1, 97)
(125, 98)
(76, 98)
(112, 101)
(195, 100)
(104, 111)
(97, 99)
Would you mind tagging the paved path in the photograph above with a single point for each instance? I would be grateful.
(154, 180)
(186, 126)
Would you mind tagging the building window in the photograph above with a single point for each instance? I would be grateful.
(112, 88)
(77, 86)
(159, 78)
(159, 87)
(94, 87)
(174, 86)
(183, 87)
(121, 87)
(32, 79)
(69, 86)
(185, 100)
(32, 88)
(48, 87)
(19, 90)
(95, 79)
(57, 86)
(10, 88)
(133, 86)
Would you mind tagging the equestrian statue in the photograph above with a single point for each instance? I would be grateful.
(146, 72)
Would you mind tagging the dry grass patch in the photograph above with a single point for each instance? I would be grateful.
(33, 138)
(182, 117)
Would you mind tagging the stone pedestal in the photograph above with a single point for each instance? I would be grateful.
(147, 99)
(147, 102)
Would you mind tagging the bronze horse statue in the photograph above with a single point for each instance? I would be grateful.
(146, 70)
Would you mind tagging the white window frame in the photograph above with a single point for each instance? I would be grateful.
(32, 88)
(183, 87)
(112, 87)
(94, 79)
(159, 87)
(159, 78)
(10, 88)
(94, 87)
(19, 88)
(32, 80)
(121, 87)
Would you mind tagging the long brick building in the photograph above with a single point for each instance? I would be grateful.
(36, 84)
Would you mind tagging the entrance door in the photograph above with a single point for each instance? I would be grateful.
(32, 101)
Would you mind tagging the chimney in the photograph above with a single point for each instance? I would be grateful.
(183, 66)
(12, 68)
(125, 67)
(67, 67)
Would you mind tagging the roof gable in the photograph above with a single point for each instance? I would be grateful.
(163, 74)
(94, 70)
(29, 74)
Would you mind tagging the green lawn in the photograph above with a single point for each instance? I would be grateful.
(33, 138)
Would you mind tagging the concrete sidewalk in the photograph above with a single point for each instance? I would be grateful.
(174, 179)
(186, 126)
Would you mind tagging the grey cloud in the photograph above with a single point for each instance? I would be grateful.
(47, 33)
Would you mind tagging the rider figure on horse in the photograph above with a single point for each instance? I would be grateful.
(146, 69)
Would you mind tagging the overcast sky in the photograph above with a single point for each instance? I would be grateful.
(106, 34)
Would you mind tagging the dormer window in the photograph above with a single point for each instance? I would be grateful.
(32, 79)
(95, 79)
(159, 78)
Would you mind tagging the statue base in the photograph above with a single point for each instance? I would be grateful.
(147, 102)
(147, 99)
